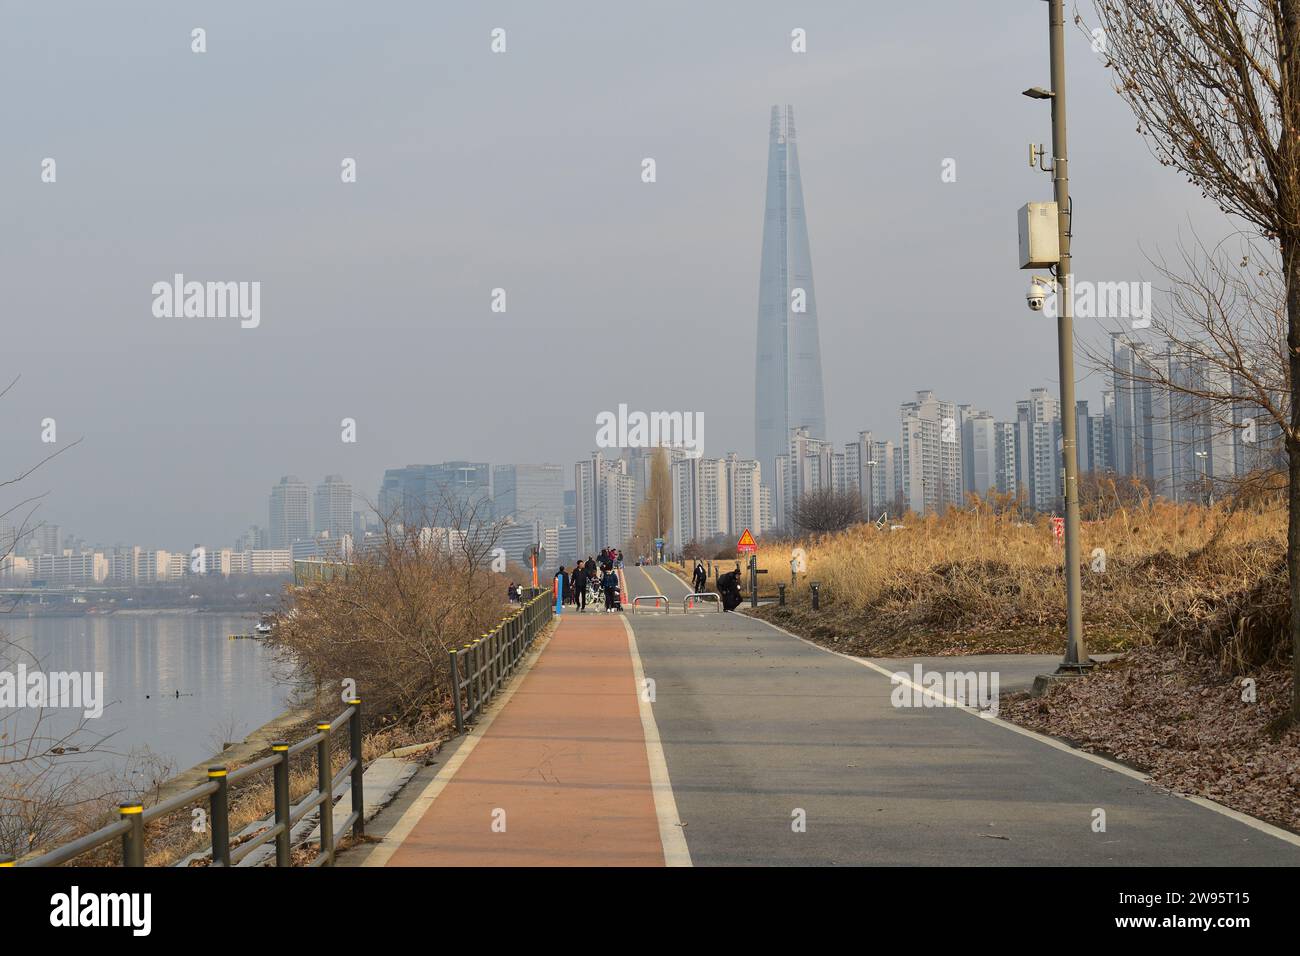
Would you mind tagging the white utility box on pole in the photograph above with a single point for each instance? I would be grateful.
(1040, 242)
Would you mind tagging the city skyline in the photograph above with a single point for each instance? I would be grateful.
(1039, 411)
(376, 296)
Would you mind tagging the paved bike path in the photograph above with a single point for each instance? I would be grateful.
(763, 733)
(560, 777)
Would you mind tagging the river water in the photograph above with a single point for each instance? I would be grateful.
(175, 684)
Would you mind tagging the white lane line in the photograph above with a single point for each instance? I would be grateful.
(1286, 836)
(395, 837)
(671, 835)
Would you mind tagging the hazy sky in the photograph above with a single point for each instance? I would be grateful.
(522, 171)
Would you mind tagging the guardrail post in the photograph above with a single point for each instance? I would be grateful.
(132, 839)
(219, 812)
(280, 775)
(358, 770)
(325, 784)
(455, 692)
(781, 591)
(480, 660)
(494, 638)
(468, 653)
(816, 589)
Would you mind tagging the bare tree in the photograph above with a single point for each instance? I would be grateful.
(43, 761)
(826, 510)
(1215, 87)
(387, 618)
(1219, 371)
(656, 514)
(22, 511)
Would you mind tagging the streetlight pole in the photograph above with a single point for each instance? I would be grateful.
(871, 487)
(1076, 652)
(1206, 488)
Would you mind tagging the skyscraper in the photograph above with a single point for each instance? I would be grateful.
(332, 507)
(452, 494)
(290, 512)
(788, 375)
(529, 493)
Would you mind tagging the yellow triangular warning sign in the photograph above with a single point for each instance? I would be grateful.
(746, 541)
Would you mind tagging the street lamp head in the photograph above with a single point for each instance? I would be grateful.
(1038, 93)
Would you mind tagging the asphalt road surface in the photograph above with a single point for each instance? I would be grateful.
(782, 753)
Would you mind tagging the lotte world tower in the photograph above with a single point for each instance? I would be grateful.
(788, 377)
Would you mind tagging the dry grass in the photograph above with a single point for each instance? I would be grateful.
(977, 582)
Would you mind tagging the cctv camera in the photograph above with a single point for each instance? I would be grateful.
(1036, 296)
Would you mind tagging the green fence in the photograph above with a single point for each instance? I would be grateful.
(132, 817)
(479, 669)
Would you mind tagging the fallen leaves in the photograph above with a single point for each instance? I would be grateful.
(1183, 723)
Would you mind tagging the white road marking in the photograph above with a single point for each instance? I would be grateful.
(676, 853)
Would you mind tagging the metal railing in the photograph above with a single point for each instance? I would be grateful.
(132, 817)
(668, 605)
(690, 600)
(479, 669)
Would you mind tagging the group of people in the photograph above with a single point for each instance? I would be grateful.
(589, 579)
(598, 575)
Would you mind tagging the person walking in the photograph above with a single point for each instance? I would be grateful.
(610, 583)
(580, 586)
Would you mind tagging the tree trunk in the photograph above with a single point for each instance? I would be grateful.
(1288, 195)
(1291, 264)
(1293, 554)
(1291, 271)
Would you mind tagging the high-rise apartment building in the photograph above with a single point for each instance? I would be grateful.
(928, 465)
(290, 512)
(745, 495)
(332, 507)
(1038, 441)
(605, 504)
(979, 452)
(808, 465)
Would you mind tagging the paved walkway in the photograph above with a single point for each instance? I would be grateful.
(561, 775)
(775, 752)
